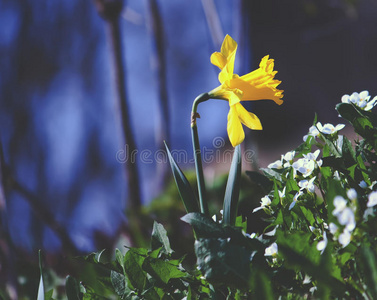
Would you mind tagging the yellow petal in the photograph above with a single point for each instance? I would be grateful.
(229, 46)
(234, 128)
(247, 118)
(218, 59)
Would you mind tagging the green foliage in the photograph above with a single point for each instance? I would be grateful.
(316, 239)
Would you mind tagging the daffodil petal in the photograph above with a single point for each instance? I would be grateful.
(228, 46)
(234, 128)
(227, 72)
(247, 118)
(218, 59)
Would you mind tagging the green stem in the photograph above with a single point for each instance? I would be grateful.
(197, 154)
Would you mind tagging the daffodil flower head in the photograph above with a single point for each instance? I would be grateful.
(257, 85)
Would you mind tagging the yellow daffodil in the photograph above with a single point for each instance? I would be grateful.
(257, 85)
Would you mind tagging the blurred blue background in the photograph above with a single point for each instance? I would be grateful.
(58, 123)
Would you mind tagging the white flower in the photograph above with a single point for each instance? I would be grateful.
(250, 236)
(307, 279)
(276, 165)
(371, 104)
(321, 246)
(312, 156)
(352, 194)
(282, 193)
(372, 199)
(304, 166)
(307, 184)
(336, 175)
(272, 232)
(363, 184)
(333, 228)
(344, 238)
(295, 198)
(272, 250)
(313, 131)
(340, 204)
(347, 218)
(289, 156)
(361, 100)
(265, 201)
(329, 128)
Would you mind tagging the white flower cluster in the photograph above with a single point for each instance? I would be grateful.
(361, 100)
(307, 164)
(284, 162)
(316, 130)
(345, 216)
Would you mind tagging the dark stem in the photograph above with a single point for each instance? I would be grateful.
(156, 30)
(197, 154)
(134, 199)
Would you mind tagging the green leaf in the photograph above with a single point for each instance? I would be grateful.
(308, 215)
(98, 258)
(160, 239)
(232, 189)
(261, 285)
(185, 191)
(161, 270)
(203, 225)
(223, 262)
(118, 281)
(261, 180)
(270, 173)
(72, 288)
(133, 262)
(48, 295)
(369, 265)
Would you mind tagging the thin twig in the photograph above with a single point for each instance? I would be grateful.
(110, 10)
(155, 26)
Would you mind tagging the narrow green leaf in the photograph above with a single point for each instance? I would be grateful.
(160, 239)
(72, 288)
(187, 195)
(41, 291)
(233, 188)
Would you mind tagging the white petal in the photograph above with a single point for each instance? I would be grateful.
(346, 98)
